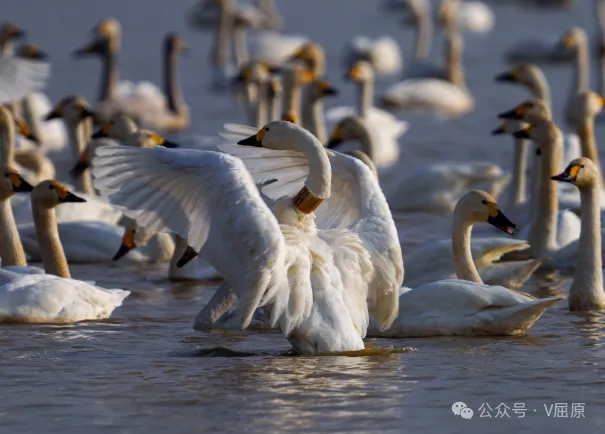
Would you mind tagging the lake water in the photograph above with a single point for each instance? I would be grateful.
(146, 370)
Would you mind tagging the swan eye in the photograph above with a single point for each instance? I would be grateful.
(51, 187)
(582, 166)
(538, 152)
(484, 202)
(266, 129)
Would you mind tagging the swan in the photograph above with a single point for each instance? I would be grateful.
(531, 77)
(586, 291)
(313, 118)
(385, 128)
(474, 16)
(55, 296)
(465, 306)
(433, 188)
(294, 78)
(294, 268)
(136, 236)
(448, 96)
(143, 101)
(382, 53)
(35, 105)
(255, 77)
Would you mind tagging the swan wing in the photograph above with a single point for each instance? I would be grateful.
(18, 77)
(210, 200)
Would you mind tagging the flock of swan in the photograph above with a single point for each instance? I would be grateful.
(294, 213)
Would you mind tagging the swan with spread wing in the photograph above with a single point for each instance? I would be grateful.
(322, 256)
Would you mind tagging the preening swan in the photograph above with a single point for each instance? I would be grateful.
(467, 307)
(52, 297)
(294, 268)
(586, 292)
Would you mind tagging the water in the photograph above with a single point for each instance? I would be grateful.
(146, 370)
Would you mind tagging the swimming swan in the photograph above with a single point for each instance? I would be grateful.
(55, 296)
(465, 306)
(289, 267)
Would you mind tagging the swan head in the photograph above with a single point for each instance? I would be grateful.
(574, 38)
(105, 42)
(253, 72)
(349, 128)
(361, 72)
(31, 52)
(10, 32)
(312, 55)
(544, 134)
(107, 28)
(72, 108)
(134, 236)
(119, 128)
(12, 182)
(415, 11)
(10, 123)
(296, 75)
(532, 111)
(175, 44)
(149, 139)
(509, 126)
(581, 172)
(478, 206)
(524, 73)
(320, 88)
(279, 135)
(25, 131)
(447, 14)
(584, 106)
(51, 193)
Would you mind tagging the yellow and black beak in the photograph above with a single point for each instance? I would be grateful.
(20, 185)
(255, 140)
(500, 130)
(516, 113)
(335, 139)
(56, 113)
(160, 141)
(81, 166)
(569, 175)
(523, 134)
(26, 132)
(72, 198)
(85, 112)
(186, 257)
(500, 221)
(506, 77)
(98, 46)
(126, 246)
(327, 89)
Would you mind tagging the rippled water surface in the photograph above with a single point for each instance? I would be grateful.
(146, 370)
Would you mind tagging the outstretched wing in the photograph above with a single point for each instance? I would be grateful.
(18, 77)
(210, 200)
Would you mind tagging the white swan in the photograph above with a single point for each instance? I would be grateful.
(384, 127)
(466, 307)
(142, 101)
(531, 77)
(382, 53)
(448, 96)
(19, 76)
(52, 297)
(586, 292)
(292, 268)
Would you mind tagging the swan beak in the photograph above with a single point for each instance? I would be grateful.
(500, 130)
(523, 134)
(20, 185)
(80, 166)
(26, 132)
(506, 77)
(516, 113)
(103, 133)
(569, 175)
(85, 112)
(126, 246)
(255, 140)
(170, 145)
(55, 113)
(500, 221)
(70, 197)
(186, 257)
(326, 89)
(335, 138)
(160, 141)
(94, 47)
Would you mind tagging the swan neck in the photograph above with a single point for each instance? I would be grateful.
(292, 97)
(461, 249)
(275, 107)
(519, 172)
(7, 144)
(261, 105)
(587, 141)
(423, 36)
(543, 233)
(454, 69)
(365, 96)
(109, 80)
(51, 249)
(219, 304)
(586, 291)
(172, 85)
(33, 121)
(534, 186)
(11, 249)
(77, 138)
(319, 181)
(366, 143)
(313, 116)
(539, 86)
(580, 73)
(221, 51)
(240, 45)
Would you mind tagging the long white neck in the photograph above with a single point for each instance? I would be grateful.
(580, 74)
(274, 106)
(7, 145)
(319, 181)
(77, 139)
(261, 104)
(34, 122)
(586, 291)
(172, 85)
(534, 185)
(461, 249)
(109, 80)
(221, 52)
(538, 85)
(423, 36)
(543, 233)
(366, 143)
(313, 116)
(240, 45)
(292, 96)
(519, 172)
(11, 249)
(47, 233)
(219, 304)
(453, 59)
(365, 95)
(585, 132)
